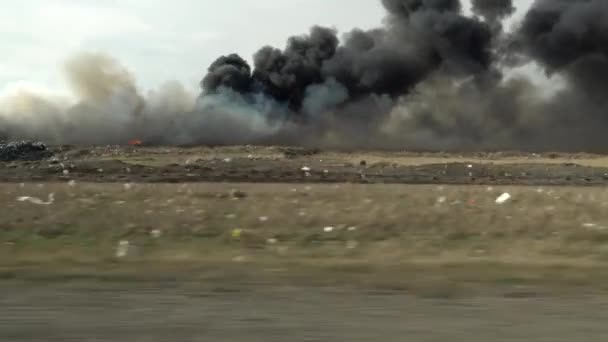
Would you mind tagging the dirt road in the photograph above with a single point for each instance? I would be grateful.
(170, 312)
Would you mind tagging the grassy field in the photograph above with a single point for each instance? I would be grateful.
(431, 239)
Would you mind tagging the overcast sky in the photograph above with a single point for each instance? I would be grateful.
(158, 40)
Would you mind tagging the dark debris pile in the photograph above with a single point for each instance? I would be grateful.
(23, 150)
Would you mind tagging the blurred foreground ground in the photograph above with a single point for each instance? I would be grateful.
(131, 245)
(153, 312)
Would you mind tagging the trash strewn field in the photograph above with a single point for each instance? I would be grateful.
(420, 238)
(253, 244)
(116, 164)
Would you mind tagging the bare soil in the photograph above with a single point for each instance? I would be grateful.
(275, 244)
(287, 165)
(163, 312)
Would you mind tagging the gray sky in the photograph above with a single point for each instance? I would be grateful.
(158, 40)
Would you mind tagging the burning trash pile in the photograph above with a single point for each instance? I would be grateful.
(23, 150)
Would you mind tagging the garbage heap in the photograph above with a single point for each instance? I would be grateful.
(23, 151)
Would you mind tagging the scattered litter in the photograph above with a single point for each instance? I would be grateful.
(504, 198)
(250, 156)
(38, 201)
(263, 218)
(352, 229)
(329, 229)
(470, 166)
(227, 160)
(302, 214)
(66, 172)
(272, 241)
(100, 170)
(239, 258)
(442, 200)
(156, 233)
(326, 172)
(128, 186)
(595, 226)
(23, 150)
(123, 250)
(352, 244)
(306, 169)
(237, 233)
(72, 183)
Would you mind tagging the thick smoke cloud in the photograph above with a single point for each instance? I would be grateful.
(429, 78)
(494, 11)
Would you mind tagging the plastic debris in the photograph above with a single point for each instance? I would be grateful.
(156, 233)
(23, 150)
(306, 169)
(352, 244)
(442, 200)
(66, 172)
(352, 229)
(263, 218)
(36, 200)
(123, 249)
(504, 198)
(72, 183)
(237, 233)
(228, 160)
(272, 241)
(329, 229)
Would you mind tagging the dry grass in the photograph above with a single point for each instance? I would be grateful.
(167, 155)
(387, 235)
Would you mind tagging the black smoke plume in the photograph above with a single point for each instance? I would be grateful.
(430, 77)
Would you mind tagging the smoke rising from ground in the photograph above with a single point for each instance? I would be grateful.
(428, 78)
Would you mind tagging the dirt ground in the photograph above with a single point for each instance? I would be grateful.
(154, 312)
(288, 165)
(259, 244)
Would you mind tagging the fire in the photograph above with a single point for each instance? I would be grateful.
(136, 142)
